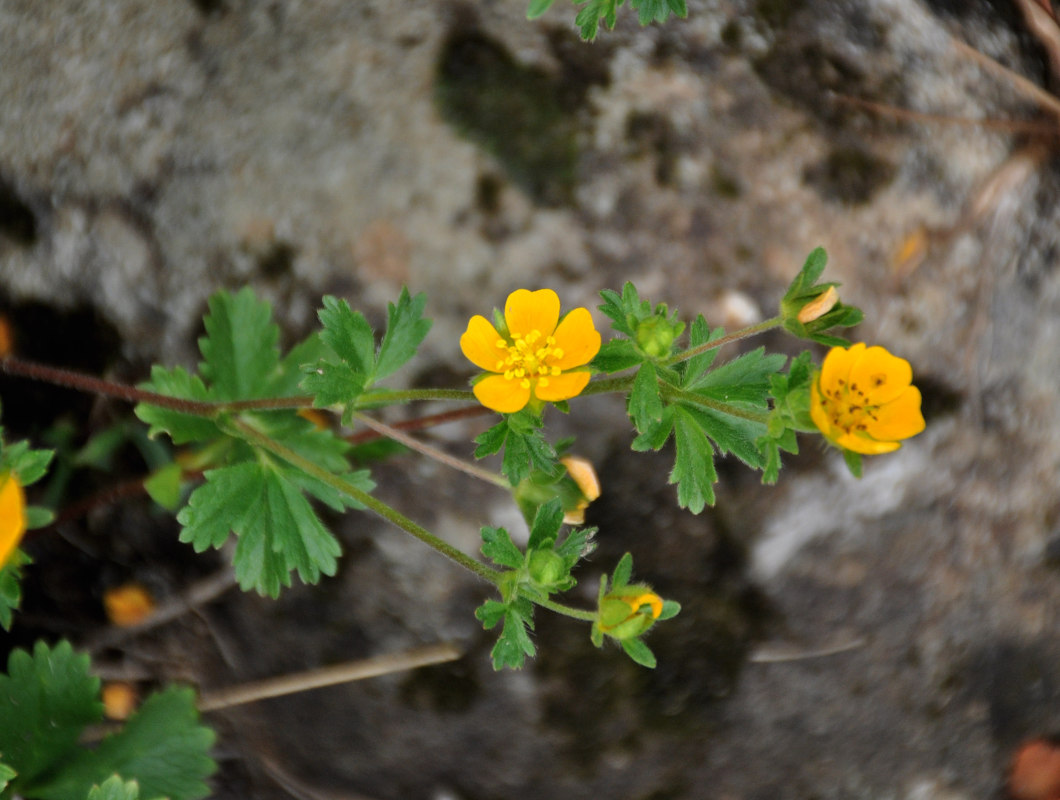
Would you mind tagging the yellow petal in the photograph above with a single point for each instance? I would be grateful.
(899, 419)
(562, 387)
(584, 476)
(837, 365)
(12, 516)
(501, 394)
(819, 414)
(128, 604)
(578, 338)
(881, 376)
(527, 311)
(865, 445)
(479, 344)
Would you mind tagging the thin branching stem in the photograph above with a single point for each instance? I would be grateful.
(432, 452)
(257, 438)
(735, 336)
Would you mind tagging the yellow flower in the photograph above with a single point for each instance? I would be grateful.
(12, 516)
(539, 357)
(863, 400)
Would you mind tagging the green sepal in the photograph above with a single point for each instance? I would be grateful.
(6, 775)
(29, 465)
(853, 462)
(639, 652)
(11, 588)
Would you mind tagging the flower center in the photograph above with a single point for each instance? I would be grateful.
(529, 358)
(846, 405)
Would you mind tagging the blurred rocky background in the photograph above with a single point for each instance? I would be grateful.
(893, 637)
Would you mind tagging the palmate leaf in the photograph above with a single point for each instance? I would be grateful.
(46, 700)
(162, 747)
(525, 449)
(278, 532)
(260, 498)
(114, 788)
(355, 365)
(514, 644)
(649, 11)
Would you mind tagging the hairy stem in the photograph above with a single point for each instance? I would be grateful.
(259, 439)
(567, 611)
(735, 336)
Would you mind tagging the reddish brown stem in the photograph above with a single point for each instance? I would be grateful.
(94, 385)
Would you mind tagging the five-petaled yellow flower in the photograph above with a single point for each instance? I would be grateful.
(12, 516)
(863, 400)
(539, 357)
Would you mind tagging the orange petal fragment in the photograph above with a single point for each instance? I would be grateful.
(128, 604)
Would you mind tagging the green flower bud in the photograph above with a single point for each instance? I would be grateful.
(546, 568)
(655, 335)
(628, 612)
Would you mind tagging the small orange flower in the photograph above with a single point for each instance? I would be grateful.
(539, 357)
(119, 699)
(863, 400)
(12, 516)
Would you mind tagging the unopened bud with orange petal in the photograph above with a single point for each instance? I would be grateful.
(628, 612)
(819, 306)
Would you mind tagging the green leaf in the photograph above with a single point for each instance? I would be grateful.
(525, 449)
(693, 470)
(700, 334)
(46, 700)
(6, 775)
(514, 643)
(241, 360)
(626, 309)
(333, 384)
(639, 652)
(29, 465)
(588, 18)
(743, 380)
(181, 427)
(645, 405)
(164, 485)
(498, 547)
(576, 545)
(547, 522)
(406, 329)
(658, 10)
(623, 572)
(37, 517)
(10, 589)
(162, 747)
(115, 789)
(348, 334)
(615, 356)
(490, 613)
(220, 504)
(537, 8)
(730, 434)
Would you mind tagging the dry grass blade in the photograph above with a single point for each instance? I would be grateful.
(329, 676)
(1042, 23)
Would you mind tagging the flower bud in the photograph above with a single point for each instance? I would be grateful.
(546, 568)
(655, 335)
(628, 612)
(819, 306)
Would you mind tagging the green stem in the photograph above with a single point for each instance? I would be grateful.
(392, 397)
(259, 439)
(735, 336)
(567, 611)
(669, 392)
